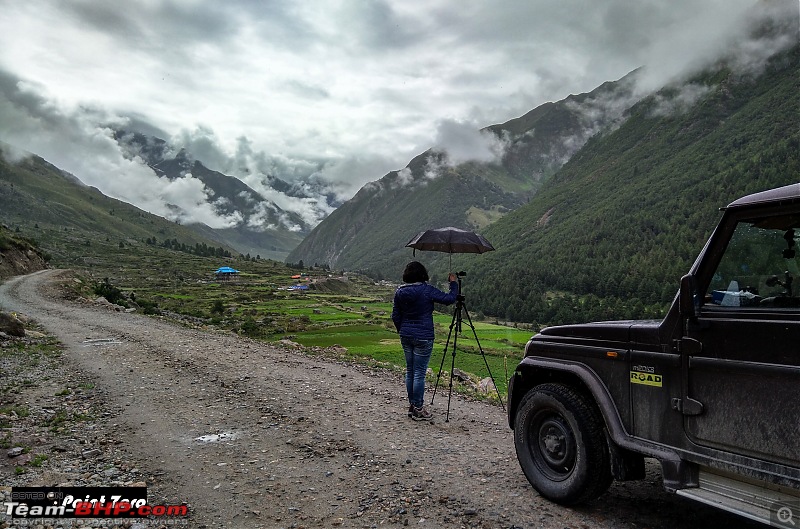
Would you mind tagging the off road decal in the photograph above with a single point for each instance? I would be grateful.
(647, 379)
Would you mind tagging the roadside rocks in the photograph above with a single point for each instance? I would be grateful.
(11, 325)
(56, 428)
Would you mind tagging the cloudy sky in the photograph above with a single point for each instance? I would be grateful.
(334, 93)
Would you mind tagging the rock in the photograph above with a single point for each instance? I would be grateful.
(93, 452)
(460, 375)
(486, 385)
(11, 325)
(16, 451)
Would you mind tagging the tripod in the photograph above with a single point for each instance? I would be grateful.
(460, 308)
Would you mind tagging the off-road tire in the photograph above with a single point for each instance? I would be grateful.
(561, 444)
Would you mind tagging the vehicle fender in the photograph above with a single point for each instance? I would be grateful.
(533, 371)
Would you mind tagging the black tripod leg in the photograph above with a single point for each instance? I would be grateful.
(444, 355)
(469, 322)
(453, 360)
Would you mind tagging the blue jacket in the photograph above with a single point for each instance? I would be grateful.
(413, 308)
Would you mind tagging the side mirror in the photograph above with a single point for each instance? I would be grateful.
(689, 300)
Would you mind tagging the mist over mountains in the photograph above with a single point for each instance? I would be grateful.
(248, 221)
(469, 184)
(487, 174)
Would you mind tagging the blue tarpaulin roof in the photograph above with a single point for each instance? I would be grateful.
(226, 270)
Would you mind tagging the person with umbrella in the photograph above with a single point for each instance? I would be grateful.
(412, 315)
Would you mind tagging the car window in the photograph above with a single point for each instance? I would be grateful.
(759, 267)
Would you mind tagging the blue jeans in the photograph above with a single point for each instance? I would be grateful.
(418, 354)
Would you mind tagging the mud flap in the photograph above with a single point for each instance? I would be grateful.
(625, 465)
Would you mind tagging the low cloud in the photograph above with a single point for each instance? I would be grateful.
(743, 35)
(81, 142)
(772, 28)
(434, 167)
(404, 178)
(12, 154)
(315, 186)
(678, 101)
(463, 142)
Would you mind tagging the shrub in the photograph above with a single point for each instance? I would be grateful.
(110, 292)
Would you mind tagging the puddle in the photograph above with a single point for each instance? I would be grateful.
(99, 342)
(217, 437)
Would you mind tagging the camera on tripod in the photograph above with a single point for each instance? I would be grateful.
(459, 313)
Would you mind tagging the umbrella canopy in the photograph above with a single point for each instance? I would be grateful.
(450, 240)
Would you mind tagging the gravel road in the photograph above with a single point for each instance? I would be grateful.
(254, 436)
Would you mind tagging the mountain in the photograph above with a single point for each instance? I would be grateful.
(261, 228)
(369, 231)
(44, 203)
(604, 229)
(613, 231)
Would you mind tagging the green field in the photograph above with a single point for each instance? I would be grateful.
(502, 346)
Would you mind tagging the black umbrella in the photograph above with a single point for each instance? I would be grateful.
(450, 240)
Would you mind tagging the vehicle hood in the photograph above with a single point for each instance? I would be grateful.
(609, 334)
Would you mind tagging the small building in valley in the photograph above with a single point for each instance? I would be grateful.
(226, 273)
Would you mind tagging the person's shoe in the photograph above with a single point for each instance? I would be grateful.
(420, 414)
(410, 410)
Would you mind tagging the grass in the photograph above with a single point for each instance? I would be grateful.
(38, 460)
(57, 421)
(502, 347)
(19, 411)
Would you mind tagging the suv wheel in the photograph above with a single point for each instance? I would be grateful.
(561, 444)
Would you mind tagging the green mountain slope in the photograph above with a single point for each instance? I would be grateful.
(56, 209)
(362, 233)
(611, 234)
(369, 231)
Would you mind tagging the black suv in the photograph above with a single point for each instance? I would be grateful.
(712, 391)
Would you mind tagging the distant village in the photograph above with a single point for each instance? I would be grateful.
(300, 282)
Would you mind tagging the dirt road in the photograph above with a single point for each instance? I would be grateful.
(252, 436)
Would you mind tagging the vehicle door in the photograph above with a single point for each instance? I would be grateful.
(744, 348)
